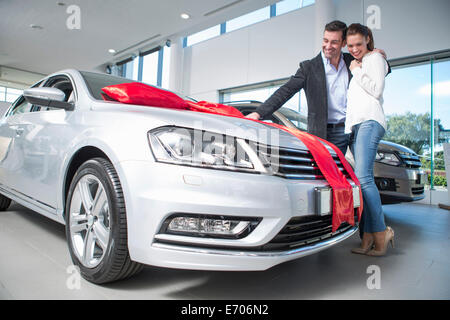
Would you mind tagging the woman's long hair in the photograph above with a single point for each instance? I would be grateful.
(357, 28)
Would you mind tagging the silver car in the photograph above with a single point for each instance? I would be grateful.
(397, 170)
(137, 185)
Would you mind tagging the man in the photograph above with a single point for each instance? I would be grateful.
(325, 80)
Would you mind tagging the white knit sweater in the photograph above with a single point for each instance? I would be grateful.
(365, 92)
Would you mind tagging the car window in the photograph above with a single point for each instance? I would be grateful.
(96, 81)
(300, 121)
(62, 83)
(22, 106)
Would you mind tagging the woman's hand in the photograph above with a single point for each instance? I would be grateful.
(355, 64)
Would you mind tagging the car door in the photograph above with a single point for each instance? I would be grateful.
(11, 152)
(43, 139)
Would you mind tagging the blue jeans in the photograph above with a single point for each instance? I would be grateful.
(337, 137)
(364, 141)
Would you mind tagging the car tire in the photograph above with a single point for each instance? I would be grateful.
(96, 224)
(4, 202)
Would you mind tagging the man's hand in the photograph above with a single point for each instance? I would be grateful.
(381, 51)
(253, 115)
(355, 64)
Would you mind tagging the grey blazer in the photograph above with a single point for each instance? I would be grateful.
(310, 77)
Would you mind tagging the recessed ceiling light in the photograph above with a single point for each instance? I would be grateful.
(185, 16)
(112, 51)
(35, 26)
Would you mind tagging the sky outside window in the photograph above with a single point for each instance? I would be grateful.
(150, 68)
(12, 94)
(135, 68)
(408, 107)
(248, 19)
(408, 89)
(166, 68)
(404, 90)
(2, 94)
(441, 106)
(287, 6)
(203, 35)
(132, 69)
(290, 5)
(441, 111)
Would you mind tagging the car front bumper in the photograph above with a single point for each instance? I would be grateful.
(397, 183)
(155, 191)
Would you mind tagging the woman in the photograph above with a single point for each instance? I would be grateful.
(366, 122)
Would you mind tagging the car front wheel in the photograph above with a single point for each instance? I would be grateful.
(96, 224)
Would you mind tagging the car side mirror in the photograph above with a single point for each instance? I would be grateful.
(48, 97)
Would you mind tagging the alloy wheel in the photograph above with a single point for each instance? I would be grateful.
(89, 221)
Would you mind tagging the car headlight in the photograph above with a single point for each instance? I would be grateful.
(200, 148)
(388, 158)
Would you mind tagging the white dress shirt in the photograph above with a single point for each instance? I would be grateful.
(337, 84)
(365, 92)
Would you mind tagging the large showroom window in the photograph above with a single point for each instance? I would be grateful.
(248, 19)
(202, 35)
(11, 94)
(416, 104)
(417, 108)
(2, 94)
(131, 69)
(441, 114)
(286, 6)
(152, 67)
(165, 67)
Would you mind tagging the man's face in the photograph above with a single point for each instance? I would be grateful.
(332, 44)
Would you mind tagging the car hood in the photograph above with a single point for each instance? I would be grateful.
(390, 146)
(152, 117)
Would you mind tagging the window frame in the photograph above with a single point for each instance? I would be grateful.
(50, 83)
(19, 100)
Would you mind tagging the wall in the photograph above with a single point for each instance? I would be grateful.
(408, 27)
(268, 50)
(273, 48)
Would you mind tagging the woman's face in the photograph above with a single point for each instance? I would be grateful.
(357, 45)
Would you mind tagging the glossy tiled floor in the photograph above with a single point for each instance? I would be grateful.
(35, 264)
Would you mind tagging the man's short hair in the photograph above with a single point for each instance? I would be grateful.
(337, 25)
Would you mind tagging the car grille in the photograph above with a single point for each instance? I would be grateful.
(301, 231)
(410, 160)
(295, 163)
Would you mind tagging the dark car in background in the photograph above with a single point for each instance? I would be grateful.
(397, 170)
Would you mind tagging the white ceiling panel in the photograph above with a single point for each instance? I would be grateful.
(124, 26)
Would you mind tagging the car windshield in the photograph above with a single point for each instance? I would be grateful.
(296, 118)
(96, 81)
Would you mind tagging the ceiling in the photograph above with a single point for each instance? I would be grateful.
(125, 26)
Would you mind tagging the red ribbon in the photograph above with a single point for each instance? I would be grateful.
(342, 189)
(343, 211)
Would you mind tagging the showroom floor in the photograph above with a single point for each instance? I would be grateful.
(35, 264)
